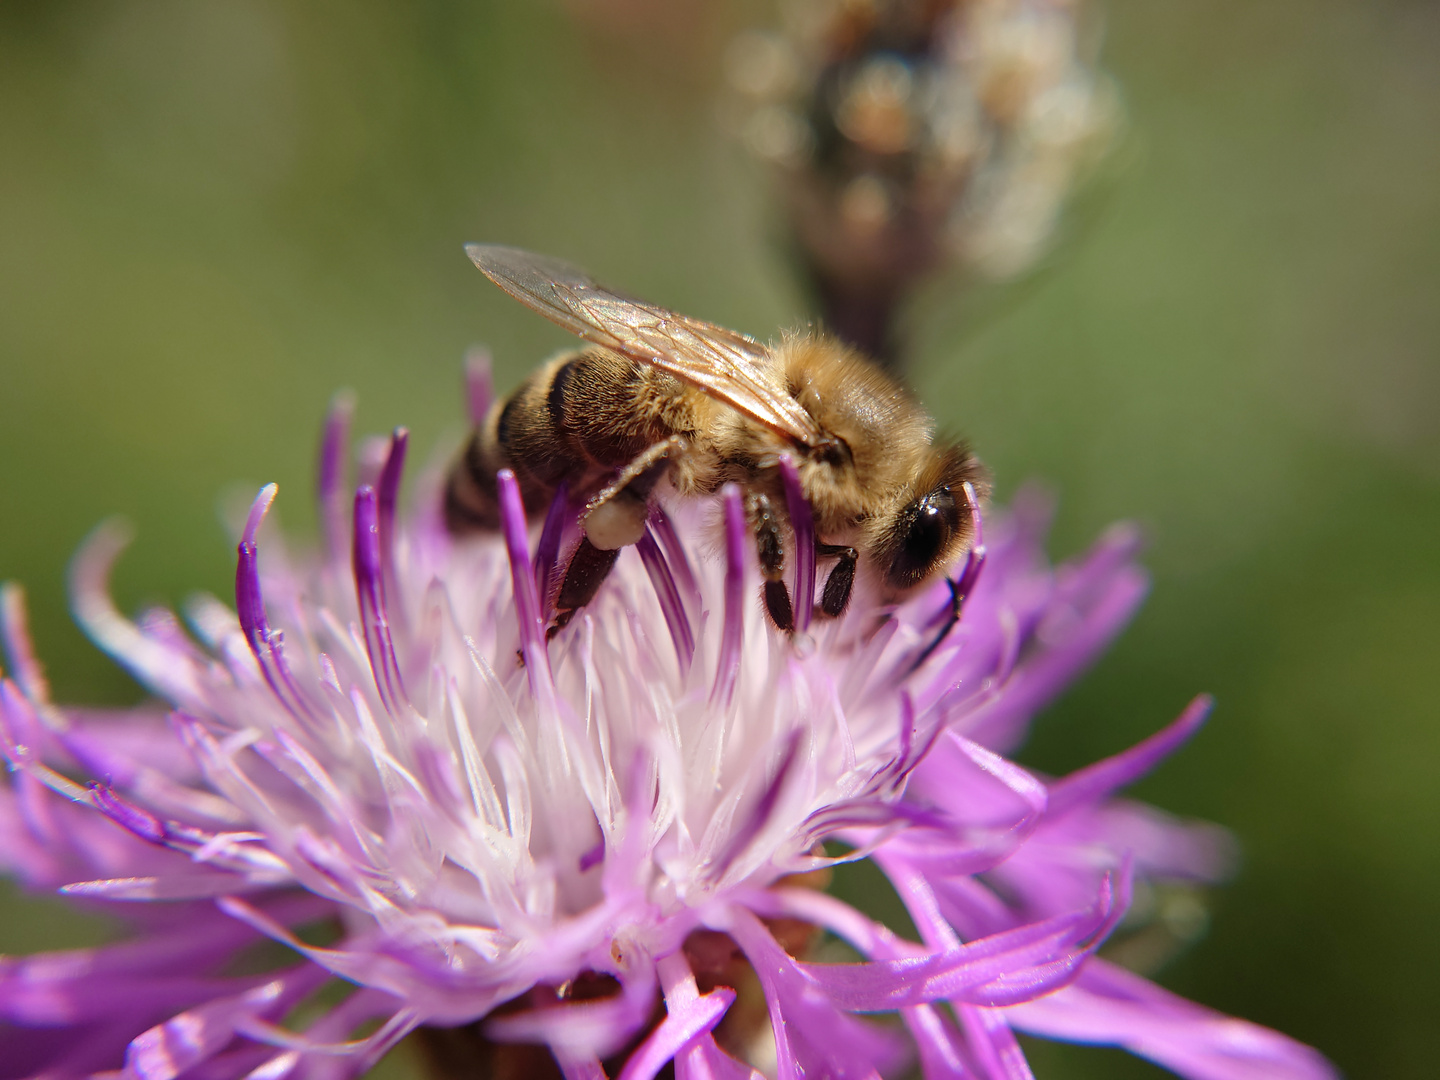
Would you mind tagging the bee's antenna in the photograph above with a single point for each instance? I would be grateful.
(963, 584)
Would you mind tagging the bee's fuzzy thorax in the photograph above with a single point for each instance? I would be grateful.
(883, 430)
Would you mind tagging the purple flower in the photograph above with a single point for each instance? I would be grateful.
(596, 844)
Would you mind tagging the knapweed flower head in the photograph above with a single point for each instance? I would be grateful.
(912, 134)
(608, 847)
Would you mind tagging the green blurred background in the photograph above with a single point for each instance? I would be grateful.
(214, 215)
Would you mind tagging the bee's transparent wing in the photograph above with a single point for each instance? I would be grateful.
(728, 366)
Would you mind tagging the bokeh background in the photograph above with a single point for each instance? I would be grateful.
(213, 215)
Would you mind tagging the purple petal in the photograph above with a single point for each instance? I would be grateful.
(244, 1059)
(326, 1057)
(941, 1052)
(527, 604)
(752, 823)
(590, 1028)
(50, 1002)
(593, 856)
(1014, 965)
(14, 630)
(990, 782)
(194, 886)
(668, 593)
(868, 936)
(802, 522)
(155, 665)
(680, 1028)
(324, 1036)
(675, 555)
(143, 824)
(330, 483)
(1108, 557)
(1095, 782)
(168, 1049)
(581, 1068)
(727, 666)
(812, 1035)
(19, 724)
(442, 993)
(706, 1061)
(266, 645)
(1004, 968)
(547, 552)
(1056, 663)
(942, 1055)
(387, 496)
(993, 1043)
(368, 591)
(479, 386)
(1110, 1006)
(69, 1053)
(975, 557)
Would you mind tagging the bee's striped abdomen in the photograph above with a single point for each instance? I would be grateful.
(579, 418)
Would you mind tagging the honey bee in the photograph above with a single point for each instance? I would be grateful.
(660, 397)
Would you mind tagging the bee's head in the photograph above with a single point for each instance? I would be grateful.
(933, 526)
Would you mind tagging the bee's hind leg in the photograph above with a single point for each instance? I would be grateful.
(836, 595)
(613, 519)
(616, 516)
(588, 568)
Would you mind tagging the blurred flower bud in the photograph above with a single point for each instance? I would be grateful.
(911, 135)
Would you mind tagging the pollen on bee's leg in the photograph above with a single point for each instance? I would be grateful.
(617, 522)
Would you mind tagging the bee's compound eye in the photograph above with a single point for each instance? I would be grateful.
(926, 529)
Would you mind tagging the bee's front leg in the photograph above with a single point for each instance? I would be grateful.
(836, 595)
(770, 547)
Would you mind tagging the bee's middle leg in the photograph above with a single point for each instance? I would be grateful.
(770, 547)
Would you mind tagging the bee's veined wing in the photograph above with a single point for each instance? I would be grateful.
(728, 366)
